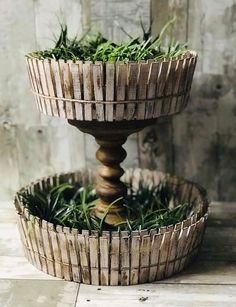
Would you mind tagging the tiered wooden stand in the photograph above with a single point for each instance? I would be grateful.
(111, 101)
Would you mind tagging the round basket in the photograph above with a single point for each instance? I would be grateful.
(111, 91)
(114, 258)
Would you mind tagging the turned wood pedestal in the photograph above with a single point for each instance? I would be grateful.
(110, 189)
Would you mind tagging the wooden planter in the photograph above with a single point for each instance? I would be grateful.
(115, 258)
(111, 92)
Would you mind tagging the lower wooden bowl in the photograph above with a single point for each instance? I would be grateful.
(114, 258)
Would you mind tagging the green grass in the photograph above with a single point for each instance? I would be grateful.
(98, 48)
(73, 206)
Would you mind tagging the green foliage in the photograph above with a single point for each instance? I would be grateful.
(73, 206)
(150, 207)
(98, 48)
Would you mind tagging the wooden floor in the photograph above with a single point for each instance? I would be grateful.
(211, 281)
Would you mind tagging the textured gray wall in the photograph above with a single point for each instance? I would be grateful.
(199, 144)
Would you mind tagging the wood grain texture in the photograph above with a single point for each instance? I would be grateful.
(138, 91)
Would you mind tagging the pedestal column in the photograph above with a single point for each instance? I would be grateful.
(110, 189)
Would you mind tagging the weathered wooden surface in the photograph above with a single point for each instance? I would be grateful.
(83, 256)
(151, 89)
(211, 281)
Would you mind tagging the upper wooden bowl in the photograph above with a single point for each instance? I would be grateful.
(111, 91)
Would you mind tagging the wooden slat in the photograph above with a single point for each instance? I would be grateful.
(121, 79)
(51, 87)
(181, 244)
(144, 259)
(169, 88)
(77, 79)
(35, 82)
(98, 85)
(155, 255)
(142, 88)
(200, 229)
(56, 253)
(178, 71)
(172, 252)
(48, 248)
(125, 258)
(84, 257)
(115, 259)
(161, 80)
(164, 250)
(104, 242)
(151, 90)
(30, 74)
(74, 255)
(192, 66)
(110, 92)
(132, 89)
(135, 255)
(56, 69)
(63, 243)
(67, 89)
(40, 244)
(37, 78)
(94, 260)
(30, 236)
(183, 81)
(44, 85)
(193, 243)
(87, 89)
(152, 79)
(186, 247)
